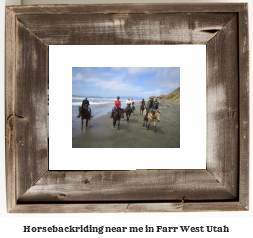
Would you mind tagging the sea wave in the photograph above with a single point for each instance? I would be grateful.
(82, 98)
(91, 103)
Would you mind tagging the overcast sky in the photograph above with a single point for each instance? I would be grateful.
(124, 81)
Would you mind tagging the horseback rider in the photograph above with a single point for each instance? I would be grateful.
(117, 104)
(132, 101)
(85, 103)
(156, 104)
(128, 102)
(142, 105)
(143, 102)
(149, 106)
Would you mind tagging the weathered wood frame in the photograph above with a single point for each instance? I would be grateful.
(223, 186)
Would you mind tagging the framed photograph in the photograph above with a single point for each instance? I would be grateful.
(99, 45)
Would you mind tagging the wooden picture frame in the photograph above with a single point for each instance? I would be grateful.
(222, 186)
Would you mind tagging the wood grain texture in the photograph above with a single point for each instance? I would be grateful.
(30, 108)
(223, 107)
(244, 106)
(129, 8)
(140, 185)
(9, 109)
(122, 29)
(223, 186)
(129, 207)
(186, 207)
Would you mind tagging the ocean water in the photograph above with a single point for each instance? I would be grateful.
(77, 100)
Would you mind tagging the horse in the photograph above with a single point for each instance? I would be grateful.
(85, 114)
(156, 106)
(153, 115)
(142, 107)
(128, 112)
(118, 113)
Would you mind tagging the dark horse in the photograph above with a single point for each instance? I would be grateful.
(85, 114)
(128, 112)
(142, 107)
(118, 113)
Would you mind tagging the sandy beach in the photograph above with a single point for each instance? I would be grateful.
(100, 132)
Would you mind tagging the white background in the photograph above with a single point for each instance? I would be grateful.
(11, 224)
(192, 62)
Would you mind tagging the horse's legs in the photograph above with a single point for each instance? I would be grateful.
(155, 126)
(87, 122)
(82, 121)
(118, 123)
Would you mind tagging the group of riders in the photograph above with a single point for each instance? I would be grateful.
(117, 104)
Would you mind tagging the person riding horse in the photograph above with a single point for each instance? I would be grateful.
(129, 103)
(143, 102)
(150, 105)
(85, 104)
(132, 101)
(117, 104)
(156, 104)
(142, 105)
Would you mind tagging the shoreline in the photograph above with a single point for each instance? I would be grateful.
(100, 132)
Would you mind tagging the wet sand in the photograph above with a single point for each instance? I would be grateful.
(100, 132)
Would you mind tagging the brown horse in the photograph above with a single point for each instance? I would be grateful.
(128, 112)
(118, 113)
(153, 115)
(142, 107)
(85, 114)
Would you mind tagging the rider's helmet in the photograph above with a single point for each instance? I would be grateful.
(85, 98)
(151, 97)
(118, 97)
